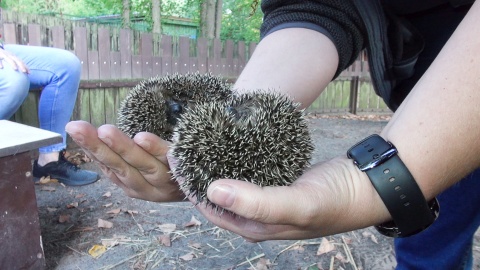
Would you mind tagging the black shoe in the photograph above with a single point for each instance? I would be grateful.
(65, 172)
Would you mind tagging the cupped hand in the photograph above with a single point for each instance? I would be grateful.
(330, 198)
(13, 60)
(139, 165)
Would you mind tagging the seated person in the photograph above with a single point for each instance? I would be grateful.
(57, 72)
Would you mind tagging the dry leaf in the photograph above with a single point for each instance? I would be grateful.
(339, 256)
(97, 250)
(263, 264)
(370, 235)
(48, 188)
(131, 212)
(167, 228)
(51, 209)
(72, 205)
(325, 247)
(193, 222)
(107, 194)
(63, 218)
(78, 196)
(165, 240)
(114, 211)
(104, 224)
(298, 247)
(195, 245)
(188, 256)
(107, 205)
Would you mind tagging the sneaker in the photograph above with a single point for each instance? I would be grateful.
(65, 172)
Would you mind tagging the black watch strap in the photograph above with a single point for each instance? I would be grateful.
(395, 185)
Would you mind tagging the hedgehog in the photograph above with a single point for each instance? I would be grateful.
(261, 137)
(155, 104)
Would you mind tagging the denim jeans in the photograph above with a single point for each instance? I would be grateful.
(55, 71)
(447, 243)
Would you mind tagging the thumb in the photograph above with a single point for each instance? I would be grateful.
(270, 205)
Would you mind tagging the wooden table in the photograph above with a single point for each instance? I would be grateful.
(20, 235)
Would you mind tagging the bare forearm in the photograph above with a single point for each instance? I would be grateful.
(437, 128)
(297, 62)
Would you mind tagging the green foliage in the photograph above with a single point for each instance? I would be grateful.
(239, 20)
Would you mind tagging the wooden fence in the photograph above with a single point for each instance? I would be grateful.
(114, 60)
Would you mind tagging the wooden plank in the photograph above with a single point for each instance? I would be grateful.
(146, 53)
(104, 46)
(126, 53)
(10, 33)
(97, 107)
(202, 55)
(20, 240)
(167, 65)
(216, 58)
(251, 49)
(136, 67)
(81, 49)
(156, 65)
(29, 109)
(241, 58)
(34, 35)
(58, 37)
(17, 138)
(82, 106)
(115, 65)
(110, 106)
(228, 69)
(93, 65)
(166, 46)
(184, 55)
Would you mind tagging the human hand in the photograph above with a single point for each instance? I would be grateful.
(13, 60)
(139, 165)
(330, 198)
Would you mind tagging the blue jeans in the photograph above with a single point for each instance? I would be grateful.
(447, 243)
(55, 71)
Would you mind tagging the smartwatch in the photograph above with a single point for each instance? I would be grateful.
(397, 188)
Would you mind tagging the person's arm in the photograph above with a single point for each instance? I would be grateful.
(436, 132)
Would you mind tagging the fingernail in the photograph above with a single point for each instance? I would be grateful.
(76, 137)
(106, 140)
(222, 195)
(144, 144)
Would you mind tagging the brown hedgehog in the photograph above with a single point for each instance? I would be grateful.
(155, 104)
(260, 137)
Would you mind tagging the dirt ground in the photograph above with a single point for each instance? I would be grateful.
(82, 222)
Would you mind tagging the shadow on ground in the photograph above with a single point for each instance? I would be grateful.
(147, 235)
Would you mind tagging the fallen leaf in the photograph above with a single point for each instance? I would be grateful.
(339, 256)
(298, 247)
(262, 264)
(165, 240)
(325, 247)
(370, 235)
(107, 205)
(78, 196)
(104, 224)
(188, 256)
(109, 242)
(48, 188)
(72, 205)
(131, 212)
(97, 250)
(114, 211)
(195, 245)
(51, 209)
(107, 194)
(193, 222)
(167, 228)
(63, 218)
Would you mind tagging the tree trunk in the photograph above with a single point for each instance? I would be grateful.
(126, 14)
(210, 18)
(156, 16)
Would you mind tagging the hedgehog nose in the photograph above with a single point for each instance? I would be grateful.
(174, 111)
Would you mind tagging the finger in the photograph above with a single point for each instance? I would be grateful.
(150, 167)
(270, 205)
(85, 135)
(153, 145)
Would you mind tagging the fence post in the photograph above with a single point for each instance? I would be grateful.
(354, 86)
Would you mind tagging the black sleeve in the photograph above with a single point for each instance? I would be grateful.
(338, 19)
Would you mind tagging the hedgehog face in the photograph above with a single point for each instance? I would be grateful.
(155, 105)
